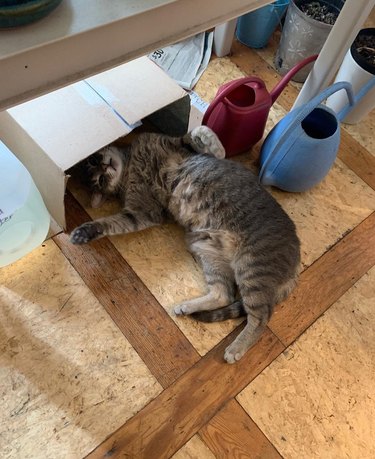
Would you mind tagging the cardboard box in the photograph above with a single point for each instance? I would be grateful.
(54, 132)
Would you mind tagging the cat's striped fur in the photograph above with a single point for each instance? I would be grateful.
(239, 233)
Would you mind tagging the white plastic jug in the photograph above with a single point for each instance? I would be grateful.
(24, 219)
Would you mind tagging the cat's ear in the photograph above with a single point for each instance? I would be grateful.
(97, 199)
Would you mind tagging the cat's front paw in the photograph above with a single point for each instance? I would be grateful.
(233, 353)
(208, 142)
(85, 233)
(180, 310)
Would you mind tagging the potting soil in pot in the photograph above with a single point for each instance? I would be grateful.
(365, 47)
(319, 12)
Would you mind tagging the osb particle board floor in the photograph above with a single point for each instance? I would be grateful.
(94, 363)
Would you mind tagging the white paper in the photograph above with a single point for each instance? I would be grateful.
(186, 60)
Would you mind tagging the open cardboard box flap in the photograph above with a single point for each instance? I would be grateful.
(54, 132)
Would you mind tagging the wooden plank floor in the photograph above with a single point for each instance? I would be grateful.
(94, 363)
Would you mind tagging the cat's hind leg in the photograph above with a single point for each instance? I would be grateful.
(257, 289)
(204, 140)
(247, 338)
(217, 271)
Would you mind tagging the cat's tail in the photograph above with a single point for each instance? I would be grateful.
(231, 311)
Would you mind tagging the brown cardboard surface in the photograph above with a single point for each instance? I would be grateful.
(54, 132)
(132, 93)
(62, 123)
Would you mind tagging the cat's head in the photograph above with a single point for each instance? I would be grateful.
(105, 169)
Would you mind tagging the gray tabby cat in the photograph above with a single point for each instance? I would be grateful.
(239, 233)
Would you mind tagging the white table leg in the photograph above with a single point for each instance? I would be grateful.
(350, 21)
(223, 38)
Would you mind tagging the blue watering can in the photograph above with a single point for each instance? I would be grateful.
(300, 150)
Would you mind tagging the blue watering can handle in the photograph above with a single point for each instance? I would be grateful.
(305, 111)
(357, 98)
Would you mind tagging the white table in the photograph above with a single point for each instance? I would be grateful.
(83, 37)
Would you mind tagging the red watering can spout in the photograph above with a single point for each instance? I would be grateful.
(276, 91)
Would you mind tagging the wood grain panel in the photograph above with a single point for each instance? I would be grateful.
(146, 325)
(195, 448)
(170, 420)
(357, 158)
(68, 376)
(317, 399)
(325, 281)
(153, 334)
(232, 434)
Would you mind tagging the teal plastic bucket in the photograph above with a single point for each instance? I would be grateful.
(255, 29)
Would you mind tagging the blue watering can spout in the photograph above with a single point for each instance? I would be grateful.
(353, 100)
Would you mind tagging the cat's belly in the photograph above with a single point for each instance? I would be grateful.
(189, 211)
(187, 215)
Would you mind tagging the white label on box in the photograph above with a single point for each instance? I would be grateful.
(197, 102)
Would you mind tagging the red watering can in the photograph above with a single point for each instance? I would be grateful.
(239, 112)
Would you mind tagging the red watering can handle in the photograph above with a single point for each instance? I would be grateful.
(276, 91)
(235, 84)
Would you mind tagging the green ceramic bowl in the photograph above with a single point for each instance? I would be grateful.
(14, 13)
